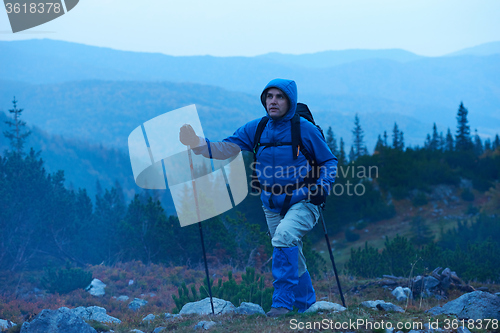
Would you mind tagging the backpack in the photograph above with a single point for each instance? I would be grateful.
(296, 145)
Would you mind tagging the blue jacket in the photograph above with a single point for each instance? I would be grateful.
(275, 165)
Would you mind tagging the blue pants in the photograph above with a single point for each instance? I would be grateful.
(292, 282)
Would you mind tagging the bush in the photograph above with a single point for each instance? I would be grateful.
(467, 195)
(66, 279)
(420, 199)
(365, 262)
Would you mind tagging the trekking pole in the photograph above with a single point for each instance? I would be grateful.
(331, 253)
(199, 227)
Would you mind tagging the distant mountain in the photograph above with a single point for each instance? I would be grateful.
(327, 59)
(479, 50)
(426, 89)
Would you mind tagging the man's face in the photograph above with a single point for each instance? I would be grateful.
(276, 103)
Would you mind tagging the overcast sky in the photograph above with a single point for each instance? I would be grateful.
(252, 27)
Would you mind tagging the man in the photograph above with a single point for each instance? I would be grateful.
(291, 209)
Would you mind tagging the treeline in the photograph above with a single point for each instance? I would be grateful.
(470, 249)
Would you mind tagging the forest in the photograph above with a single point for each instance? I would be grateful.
(45, 223)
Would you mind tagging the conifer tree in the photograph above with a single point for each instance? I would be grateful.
(342, 155)
(487, 144)
(352, 155)
(449, 142)
(428, 142)
(478, 145)
(331, 141)
(16, 134)
(463, 140)
(496, 143)
(385, 138)
(380, 144)
(358, 148)
(397, 138)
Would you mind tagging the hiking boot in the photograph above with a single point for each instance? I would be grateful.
(276, 312)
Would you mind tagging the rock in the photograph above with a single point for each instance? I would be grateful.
(62, 320)
(381, 305)
(206, 325)
(136, 331)
(498, 294)
(122, 298)
(149, 318)
(5, 324)
(96, 288)
(401, 293)
(95, 313)
(170, 316)
(203, 307)
(325, 306)
(474, 305)
(136, 304)
(250, 309)
(159, 329)
(130, 282)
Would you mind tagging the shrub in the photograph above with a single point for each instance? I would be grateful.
(65, 280)
(365, 262)
(467, 195)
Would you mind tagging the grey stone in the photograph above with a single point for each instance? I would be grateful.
(5, 324)
(62, 320)
(159, 329)
(381, 305)
(95, 313)
(170, 316)
(204, 307)
(401, 293)
(250, 309)
(122, 298)
(498, 294)
(136, 304)
(96, 288)
(149, 318)
(474, 305)
(206, 325)
(325, 306)
(136, 331)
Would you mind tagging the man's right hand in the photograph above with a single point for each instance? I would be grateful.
(188, 137)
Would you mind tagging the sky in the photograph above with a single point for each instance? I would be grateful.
(249, 28)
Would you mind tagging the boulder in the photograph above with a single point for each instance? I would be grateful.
(136, 304)
(402, 294)
(149, 318)
(170, 316)
(95, 313)
(136, 331)
(474, 305)
(159, 329)
(250, 309)
(96, 288)
(383, 306)
(206, 325)
(6, 324)
(122, 298)
(204, 307)
(325, 306)
(62, 320)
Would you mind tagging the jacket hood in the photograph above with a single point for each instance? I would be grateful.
(289, 88)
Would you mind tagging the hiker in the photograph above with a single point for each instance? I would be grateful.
(290, 203)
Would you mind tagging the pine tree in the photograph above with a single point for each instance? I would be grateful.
(359, 148)
(463, 140)
(385, 138)
(496, 143)
(434, 141)
(352, 155)
(441, 142)
(379, 145)
(449, 144)
(397, 138)
(16, 135)
(428, 142)
(478, 145)
(487, 144)
(342, 155)
(331, 141)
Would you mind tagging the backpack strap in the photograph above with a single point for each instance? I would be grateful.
(256, 145)
(296, 141)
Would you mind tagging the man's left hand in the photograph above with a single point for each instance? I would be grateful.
(317, 195)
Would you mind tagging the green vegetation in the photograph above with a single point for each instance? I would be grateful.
(67, 279)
